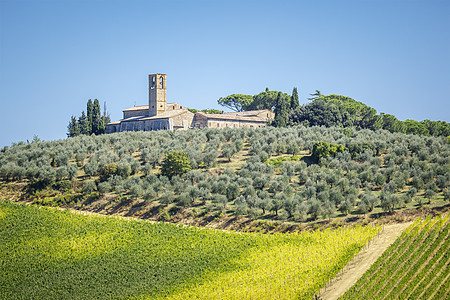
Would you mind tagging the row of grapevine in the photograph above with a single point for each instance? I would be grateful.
(393, 251)
(48, 253)
(285, 272)
(419, 257)
(414, 267)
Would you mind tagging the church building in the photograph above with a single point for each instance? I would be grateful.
(160, 115)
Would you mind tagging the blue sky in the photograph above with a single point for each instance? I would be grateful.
(55, 55)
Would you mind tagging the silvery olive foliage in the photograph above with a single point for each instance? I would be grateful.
(377, 168)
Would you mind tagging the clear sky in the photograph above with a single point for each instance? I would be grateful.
(55, 55)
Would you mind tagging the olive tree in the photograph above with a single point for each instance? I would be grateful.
(175, 163)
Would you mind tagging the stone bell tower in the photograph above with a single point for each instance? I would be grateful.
(157, 97)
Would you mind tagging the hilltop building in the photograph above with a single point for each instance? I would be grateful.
(160, 115)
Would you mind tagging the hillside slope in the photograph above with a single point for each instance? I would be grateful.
(264, 174)
(50, 253)
(416, 266)
(362, 261)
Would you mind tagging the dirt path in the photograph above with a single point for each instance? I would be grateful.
(363, 261)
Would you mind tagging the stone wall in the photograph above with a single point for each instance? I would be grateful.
(183, 121)
(267, 114)
(158, 124)
(158, 106)
(173, 106)
(234, 124)
(201, 121)
(157, 94)
(132, 126)
(111, 128)
(135, 113)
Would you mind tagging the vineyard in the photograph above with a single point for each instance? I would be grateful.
(416, 266)
(47, 253)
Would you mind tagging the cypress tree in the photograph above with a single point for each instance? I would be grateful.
(73, 127)
(106, 117)
(281, 111)
(90, 117)
(91, 123)
(102, 126)
(83, 123)
(97, 121)
(294, 99)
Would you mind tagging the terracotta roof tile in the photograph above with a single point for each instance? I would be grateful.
(139, 107)
(246, 113)
(232, 117)
(167, 114)
(145, 107)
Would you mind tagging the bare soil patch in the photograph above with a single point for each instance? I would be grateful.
(362, 261)
(198, 215)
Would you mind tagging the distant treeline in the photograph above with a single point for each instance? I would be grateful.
(329, 111)
(91, 123)
(341, 111)
(206, 111)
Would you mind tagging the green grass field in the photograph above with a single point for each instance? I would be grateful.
(416, 266)
(48, 253)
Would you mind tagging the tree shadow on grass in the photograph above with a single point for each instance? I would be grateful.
(228, 223)
(379, 215)
(153, 211)
(308, 160)
(138, 206)
(121, 205)
(91, 199)
(352, 219)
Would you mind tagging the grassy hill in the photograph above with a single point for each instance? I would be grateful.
(49, 253)
(416, 266)
(262, 180)
(239, 175)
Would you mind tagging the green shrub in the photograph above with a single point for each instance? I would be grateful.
(175, 163)
(124, 170)
(62, 185)
(324, 150)
(278, 161)
(89, 186)
(104, 187)
(108, 170)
